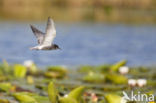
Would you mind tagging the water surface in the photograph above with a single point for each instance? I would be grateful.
(81, 43)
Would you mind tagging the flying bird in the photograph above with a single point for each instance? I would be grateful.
(45, 40)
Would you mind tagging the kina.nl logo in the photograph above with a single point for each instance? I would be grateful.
(138, 97)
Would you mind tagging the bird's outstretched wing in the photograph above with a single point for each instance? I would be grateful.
(39, 35)
(50, 32)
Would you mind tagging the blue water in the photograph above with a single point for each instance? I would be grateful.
(81, 43)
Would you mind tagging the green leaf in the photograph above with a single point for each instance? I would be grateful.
(116, 66)
(77, 93)
(113, 98)
(41, 99)
(23, 97)
(30, 80)
(4, 101)
(56, 72)
(6, 66)
(116, 78)
(19, 71)
(52, 93)
(94, 78)
(5, 86)
(59, 69)
(67, 100)
(33, 68)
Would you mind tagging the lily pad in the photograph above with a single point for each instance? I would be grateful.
(24, 97)
(4, 101)
(94, 78)
(113, 98)
(30, 80)
(67, 100)
(116, 78)
(19, 71)
(52, 93)
(5, 86)
(56, 72)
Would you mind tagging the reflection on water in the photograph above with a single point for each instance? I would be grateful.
(81, 44)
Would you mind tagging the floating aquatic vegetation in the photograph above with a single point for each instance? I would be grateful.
(52, 93)
(32, 69)
(85, 69)
(3, 78)
(111, 88)
(6, 67)
(56, 72)
(94, 77)
(102, 84)
(103, 68)
(19, 71)
(59, 69)
(30, 80)
(151, 83)
(4, 101)
(113, 98)
(5, 87)
(41, 99)
(116, 78)
(67, 100)
(77, 93)
(99, 69)
(116, 66)
(31, 66)
(24, 97)
(73, 97)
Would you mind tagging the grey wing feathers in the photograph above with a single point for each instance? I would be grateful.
(50, 32)
(39, 35)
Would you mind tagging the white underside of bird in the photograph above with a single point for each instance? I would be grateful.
(39, 47)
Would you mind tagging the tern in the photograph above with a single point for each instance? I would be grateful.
(45, 40)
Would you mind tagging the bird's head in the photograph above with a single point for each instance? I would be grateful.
(56, 47)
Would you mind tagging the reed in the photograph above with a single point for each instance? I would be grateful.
(80, 10)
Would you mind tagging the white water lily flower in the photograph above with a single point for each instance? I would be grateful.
(66, 95)
(124, 70)
(28, 63)
(132, 82)
(141, 82)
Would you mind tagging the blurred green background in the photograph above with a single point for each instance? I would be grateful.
(129, 11)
